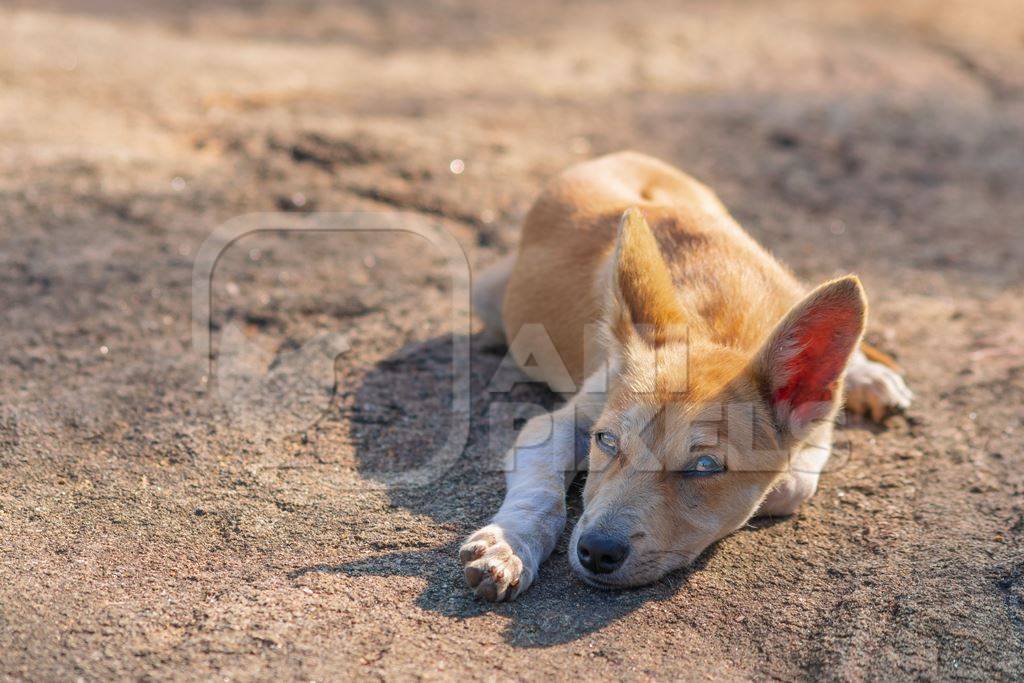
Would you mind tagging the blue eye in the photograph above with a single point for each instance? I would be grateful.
(703, 466)
(607, 442)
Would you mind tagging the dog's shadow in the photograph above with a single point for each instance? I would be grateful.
(399, 416)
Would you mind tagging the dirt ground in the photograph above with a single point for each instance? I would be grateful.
(161, 517)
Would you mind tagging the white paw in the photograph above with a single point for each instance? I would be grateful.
(493, 567)
(872, 389)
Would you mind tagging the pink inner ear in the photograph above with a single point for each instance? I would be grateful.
(824, 339)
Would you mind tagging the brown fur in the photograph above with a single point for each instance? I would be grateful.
(713, 350)
(569, 237)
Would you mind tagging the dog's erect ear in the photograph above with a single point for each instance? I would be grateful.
(643, 299)
(801, 365)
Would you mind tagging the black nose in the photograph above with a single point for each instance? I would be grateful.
(601, 553)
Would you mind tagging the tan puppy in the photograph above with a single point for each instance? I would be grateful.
(706, 377)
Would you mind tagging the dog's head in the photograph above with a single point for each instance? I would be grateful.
(694, 434)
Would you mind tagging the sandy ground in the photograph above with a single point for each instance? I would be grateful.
(164, 518)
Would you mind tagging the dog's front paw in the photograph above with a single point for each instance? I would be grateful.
(873, 389)
(495, 569)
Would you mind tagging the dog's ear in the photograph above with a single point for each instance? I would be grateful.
(801, 365)
(642, 302)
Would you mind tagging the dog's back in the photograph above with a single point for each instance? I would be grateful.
(728, 285)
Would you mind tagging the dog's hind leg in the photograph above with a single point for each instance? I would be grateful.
(501, 560)
(874, 384)
(488, 293)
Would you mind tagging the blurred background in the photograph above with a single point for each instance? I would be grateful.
(146, 532)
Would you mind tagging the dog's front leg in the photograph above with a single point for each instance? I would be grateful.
(501, 560)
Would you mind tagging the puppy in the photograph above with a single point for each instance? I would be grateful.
(706, 377)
